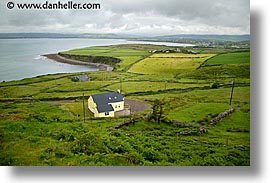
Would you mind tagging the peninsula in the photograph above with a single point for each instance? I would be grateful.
(58, 58)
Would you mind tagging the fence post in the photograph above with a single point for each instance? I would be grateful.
(233, 83)
(83, 107)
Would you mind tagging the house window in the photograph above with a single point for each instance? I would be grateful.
(106, 113)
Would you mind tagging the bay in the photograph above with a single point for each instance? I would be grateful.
(20, 58)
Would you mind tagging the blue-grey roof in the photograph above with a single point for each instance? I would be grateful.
(104, 108)
(103, 100)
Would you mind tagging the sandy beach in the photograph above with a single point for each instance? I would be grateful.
(58, 58)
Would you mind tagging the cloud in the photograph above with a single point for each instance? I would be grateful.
(137, 16)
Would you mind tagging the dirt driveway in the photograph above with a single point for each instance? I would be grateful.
(132, 106)
(137, 106)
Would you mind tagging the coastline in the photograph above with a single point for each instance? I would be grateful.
(58, 58)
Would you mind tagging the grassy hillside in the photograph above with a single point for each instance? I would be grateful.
(41, 118)
(128, 54)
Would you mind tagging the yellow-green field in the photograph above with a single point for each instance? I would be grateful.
(169, 63)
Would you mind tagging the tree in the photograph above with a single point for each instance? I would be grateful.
(158, 110)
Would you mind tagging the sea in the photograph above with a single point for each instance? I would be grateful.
(21, 58)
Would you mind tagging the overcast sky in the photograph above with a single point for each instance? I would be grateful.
(154, 17)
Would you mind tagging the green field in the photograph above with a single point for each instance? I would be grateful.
(230, 58)
(41, 118)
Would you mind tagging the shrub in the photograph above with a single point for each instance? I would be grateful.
(65, 135)
(134, 158)
(215, 85)
(89, 143)
(152, 155)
